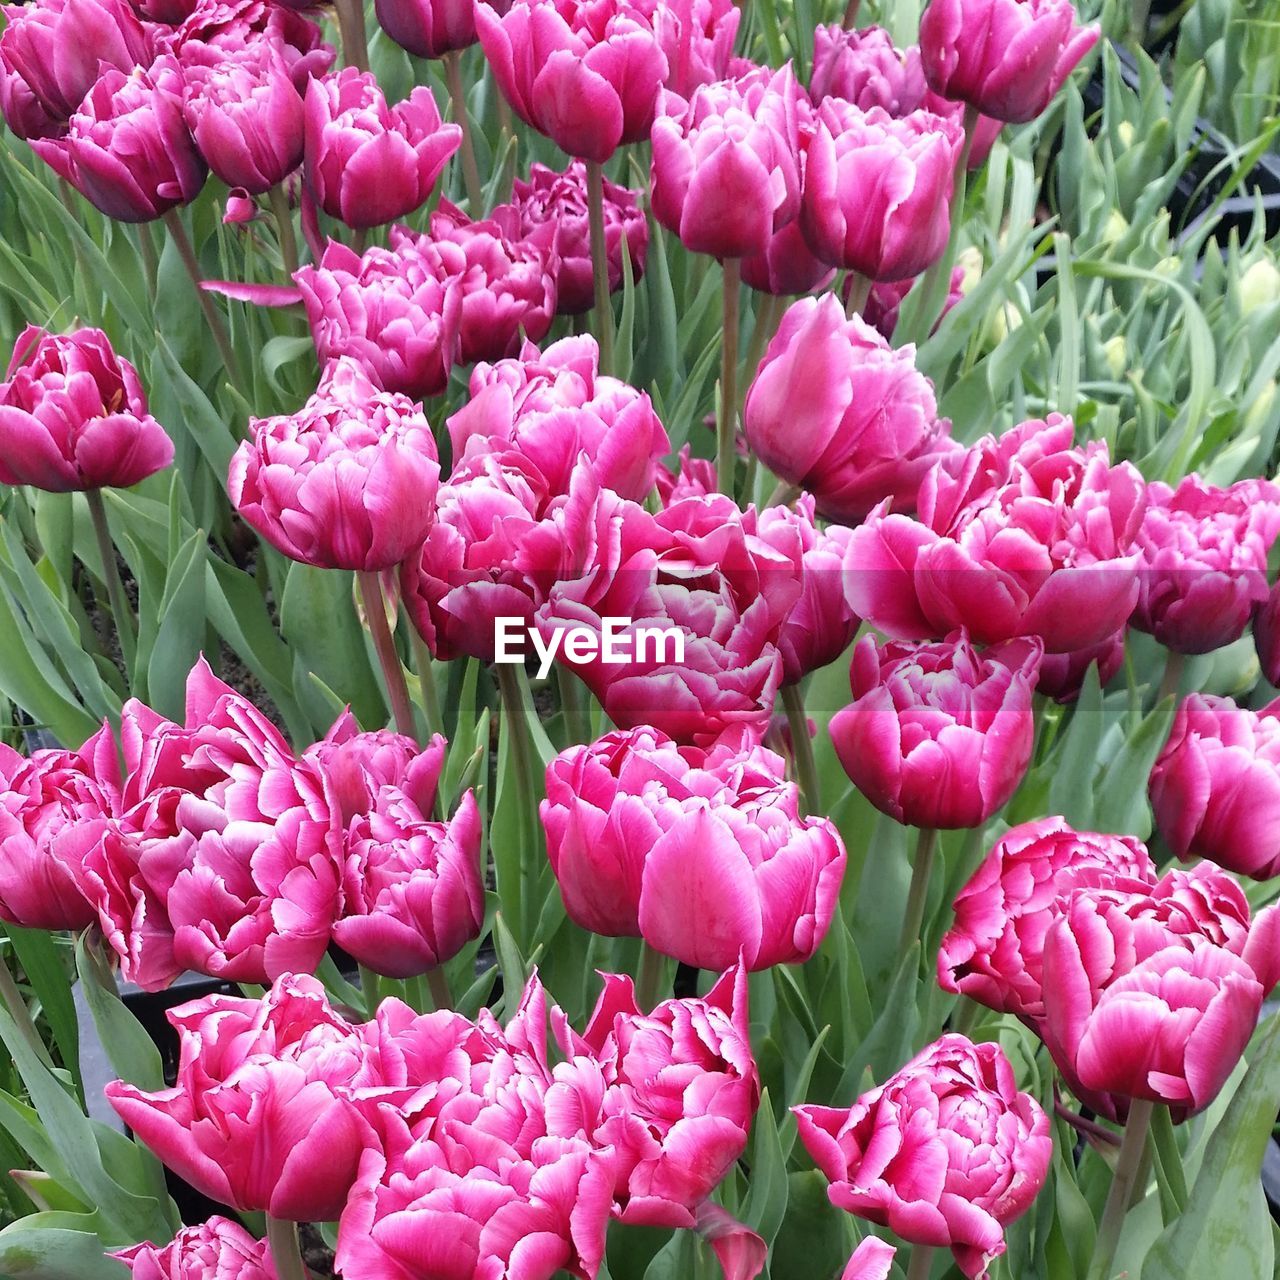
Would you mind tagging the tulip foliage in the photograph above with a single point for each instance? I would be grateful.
(638, 639)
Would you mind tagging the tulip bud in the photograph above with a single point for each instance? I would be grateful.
(218, 1248)
(428, 28)
(1259, 285)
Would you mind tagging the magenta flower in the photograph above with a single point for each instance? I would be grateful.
(1062, 674)
(428, 28)
(697, 36)
(885, 300)
(866, 68)
(786, 266)
(1266, 635)
(218, 1248)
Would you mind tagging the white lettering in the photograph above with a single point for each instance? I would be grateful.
(615, 646)
(661, 637)
(615, 641)
(506, 632)
(546, 648)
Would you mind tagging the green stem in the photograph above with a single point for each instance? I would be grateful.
(150, 259)
(965, 1015)
(369, 989)
(355, 43)
(802, 747)
(384, 645)
(121, 611)
(784, 494)
(17, 1009)
(600, 264)
(521, 749)
(284, 228)
(727, 428)
(766, 325)
(427, 683)
(438, 983)
(1123, 1184)
(859, 292)
(921, 1254)
(918, 894)
(470, 170)
(649, 981)
(1173, 668)
(575, 716)
(282, 1237)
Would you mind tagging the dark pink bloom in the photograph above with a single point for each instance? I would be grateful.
(73, 416)
(428, 28)
(946, 1153)
(369, 163)
(1007, 58)
(587, 76)
(938, 735)
(871, 1260)
(836, 410)
(1062, 674)
(690, 478)
(259, 1117)
(348, 482)
(786, 266)
(866, 68)
(215, 1250)
(885, 301)
(697, 36)
(1266, 635)
(240, 208)
(1023, 534)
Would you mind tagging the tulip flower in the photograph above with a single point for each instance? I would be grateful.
(938, 735)
(1204, 561)
(645, 836)
(1266, 635)
(1215, 787)
(127, 148)
(347, 483)
(550, 406)
(587, 78)
(946, 1153)
(369, 163)
(877, 190)
(786, 266)
(1005, 58)
(558, 201)
(871, 1260)
(246, 117)
(885, 301)
(391, 311)
(1062, 674)
(1023, 534)
(835, 410)
(260, 1117)
(53, 53)
(864, 67)
(698, 37)
(428, 28)
(73, 416)
(726, 168)
(690, 478)
(219, 1248)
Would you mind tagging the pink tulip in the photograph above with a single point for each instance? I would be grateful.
(690, 478)
(428, 28)
(938, 735)
(886, 298)
(1215, 787)
(347, 483)
(697, 36)
(556, 203)
(1023, 534)
(726, 166)
(54, 807)
(1006, 58)
(391, 311)
(170, 12)
(946, 1153)
(1062, 674)
(1204, 561)
(52, 54)
(1266, 635)
(552, 405)
(786, 266)
(259, 1117)
(647, 838)
(835, 410)
(127, 148)
(871, 1260)
(215, 1250)
(240, 208)
(864, 67)
(993, 952)
(877, 190)
(586, 76)
(369, 163)
(73, 416)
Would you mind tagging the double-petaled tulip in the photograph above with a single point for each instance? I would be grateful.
(586, 76)
(946, 1153)
(1266, 635)
(1062, 675)
(127, 148)
(703, 854)
(1204, 561)
(835, 410)
(697, 36)
(246, 117)
(885, 300)
(877, 190)
(52, 54)
(690, 477)
(994, 950)
(428, 28)
(1005, 58)
(258, 1117)
(865, 67)
(558, 202)
(391, 311)
(215, 1250)
(1215, 788)
(871, 1260)
(552, 405)
(349, 482)
(368, 162)
(54, 807)
(73, 416)
(938, 735)
(1023, 534)
(726, 166)
(786, 266)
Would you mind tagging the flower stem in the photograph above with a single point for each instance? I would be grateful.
(150, 259)
(575, 716)
(438, 983)
(767, 320)
(726, 435)
(282, 1237)
(17, 1009)
(918, 894)
(470, 170)
(921, 1254)
(1173, 666)
(521, 757)
(217, 329)
(851, 15)
(355, 43)
(801, 747)
(369, 989)
(600, 264)
(859, 292)
(784, 494)
(384, 645)
(649, 981)
(1132, 1147)
(284, 228)
(427, 683)
(121, 610)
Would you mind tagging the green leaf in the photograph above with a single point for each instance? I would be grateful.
(766, 1202)
(132, 1053)
(43, 962)
(46, 1246)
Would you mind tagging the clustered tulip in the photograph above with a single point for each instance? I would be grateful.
(697, 37)
(218, 1248)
